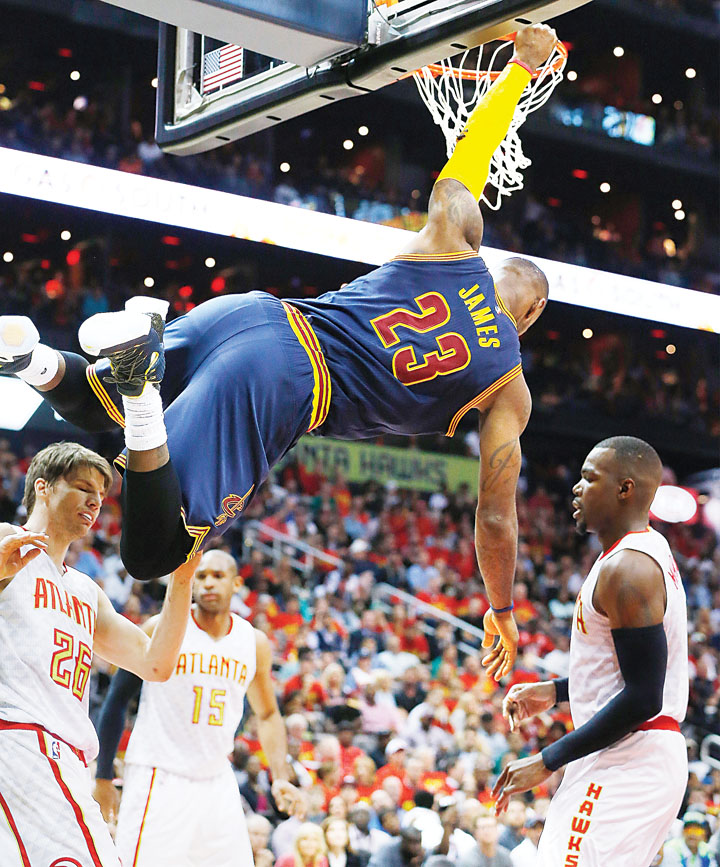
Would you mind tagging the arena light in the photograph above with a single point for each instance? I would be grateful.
(169, 203)
(75, 75)
(65, 235)
(587, 333)
(284, 167)
(209, 262)
(674, 505)
(18, 403)
(677, 204)
(656, 98)
(8, 256)
(690, 72)
(680, 214)
(604, 187)
(571, 75)
(348, 144)
(148, 282)
(363, 130)
(618, 51)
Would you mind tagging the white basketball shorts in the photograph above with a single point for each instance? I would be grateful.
(48, 817)
(169, 819)
(615, 807)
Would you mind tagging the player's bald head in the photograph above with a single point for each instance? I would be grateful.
(528, 274)
(217, 560)
(633, 458)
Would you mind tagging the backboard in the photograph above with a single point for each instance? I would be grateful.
(211, 93)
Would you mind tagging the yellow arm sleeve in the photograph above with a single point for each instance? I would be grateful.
(487, 126)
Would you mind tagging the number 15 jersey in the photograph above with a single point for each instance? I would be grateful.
(414, 345)
(187, 724)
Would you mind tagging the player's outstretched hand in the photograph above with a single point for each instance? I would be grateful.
(534, 44)
(501, 658)
(525, 700)
(11, 560)
(519, 776)
(108, 797)
(186, 571)
(286, 796)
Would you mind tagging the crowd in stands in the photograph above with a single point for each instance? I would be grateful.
(363, 184)
(395, 732)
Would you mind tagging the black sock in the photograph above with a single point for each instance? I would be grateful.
(154, 539)
(75, 401)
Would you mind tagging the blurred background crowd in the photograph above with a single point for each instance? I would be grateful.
(395, 732)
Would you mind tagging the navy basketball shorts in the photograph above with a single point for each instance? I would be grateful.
(245, 379)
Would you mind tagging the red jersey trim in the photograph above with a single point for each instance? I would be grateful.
(194, 620)
(660, 723)
(13, 827)
(615, 544)
(32, 727)
(77, 810)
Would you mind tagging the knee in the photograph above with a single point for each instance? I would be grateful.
(146, 566)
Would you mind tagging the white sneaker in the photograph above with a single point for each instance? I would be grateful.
(146, 304)
(18, 338)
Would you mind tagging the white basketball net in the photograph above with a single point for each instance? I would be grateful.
(452, 88)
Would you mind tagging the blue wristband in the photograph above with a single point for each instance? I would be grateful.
(503, 610)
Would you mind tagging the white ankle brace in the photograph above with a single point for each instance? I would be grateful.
(43, 366)
(144, 420)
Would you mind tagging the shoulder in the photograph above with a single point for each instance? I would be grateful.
(630, 590)
(629, 567)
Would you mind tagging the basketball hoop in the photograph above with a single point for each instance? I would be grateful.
(452, 88)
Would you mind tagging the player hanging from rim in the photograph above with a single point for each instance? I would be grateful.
(408, 349)
(627, 685)
(52, 619)
(180, 801)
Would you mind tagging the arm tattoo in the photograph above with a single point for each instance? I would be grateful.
(499, 460)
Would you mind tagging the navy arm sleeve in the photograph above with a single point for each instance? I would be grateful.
(123, 688)
(561, 689)
(642, 656)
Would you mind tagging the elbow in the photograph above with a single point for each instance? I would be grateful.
(159, 673)
(494, 522)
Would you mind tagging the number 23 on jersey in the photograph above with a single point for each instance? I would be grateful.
(452, 354)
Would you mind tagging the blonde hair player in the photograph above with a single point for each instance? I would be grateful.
(52, 619)
(628, 681)
(180, 802)
(408, 349)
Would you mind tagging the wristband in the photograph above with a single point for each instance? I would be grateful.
(524, 65)
(503, 610)
(562, 692)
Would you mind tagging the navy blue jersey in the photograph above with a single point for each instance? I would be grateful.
(414, 345)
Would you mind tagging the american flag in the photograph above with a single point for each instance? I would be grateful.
(221, 67)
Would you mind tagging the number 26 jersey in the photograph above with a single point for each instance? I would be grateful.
(413, 346)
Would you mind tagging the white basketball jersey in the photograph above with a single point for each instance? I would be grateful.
(187, 724)
(595, 676)
(47, 624)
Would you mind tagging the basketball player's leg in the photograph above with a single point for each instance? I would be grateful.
(156, 817)
(616, 806)
(47, 813)
(220, 836)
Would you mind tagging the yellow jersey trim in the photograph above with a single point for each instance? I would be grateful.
(435, 257)
(322, 389)
(476, 401)
(197, 532)
(503, 307)
(101, 394)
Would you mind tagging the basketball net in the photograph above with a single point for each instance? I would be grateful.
(452, 88)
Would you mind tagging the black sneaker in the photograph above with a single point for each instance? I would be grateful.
(132, 343)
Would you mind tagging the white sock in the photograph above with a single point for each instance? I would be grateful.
(144, 420)
(43, 366)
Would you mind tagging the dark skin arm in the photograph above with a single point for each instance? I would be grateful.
(630, 591)
(454, 221)
(496, 529)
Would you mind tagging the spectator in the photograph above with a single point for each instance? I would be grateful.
(259, 830)
(487, 853)
(308, 848)
(407, 851)
(511, 835)
(364, 840)
(525, 855)
(337, 843)
(283, 837)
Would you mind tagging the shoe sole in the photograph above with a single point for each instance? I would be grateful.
(146, 304)
(106, 333)
(18, 336)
